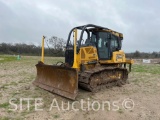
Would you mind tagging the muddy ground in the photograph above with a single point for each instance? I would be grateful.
(140, 99)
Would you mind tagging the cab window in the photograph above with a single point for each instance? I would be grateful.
(114, 42)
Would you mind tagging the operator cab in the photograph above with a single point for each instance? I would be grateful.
(106, 43)
(105, 40)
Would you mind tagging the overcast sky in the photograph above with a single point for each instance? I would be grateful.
(26, 21)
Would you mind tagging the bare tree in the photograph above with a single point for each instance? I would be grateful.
(57, 43)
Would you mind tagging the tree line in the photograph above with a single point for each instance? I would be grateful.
(139, 55)
(54, 46)
(25, 49)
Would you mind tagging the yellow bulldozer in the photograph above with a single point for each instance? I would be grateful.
(93, 63)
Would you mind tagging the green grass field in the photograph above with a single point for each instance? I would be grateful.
(146, 68)
(6, 58)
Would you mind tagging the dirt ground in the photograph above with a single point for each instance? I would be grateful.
(140, 99)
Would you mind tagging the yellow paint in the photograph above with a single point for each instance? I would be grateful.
(42, 54)
(117, 57)
(89, 54)
(75, 65)
(85, 55)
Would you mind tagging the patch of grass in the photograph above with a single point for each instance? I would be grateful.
(4, 86)
(5, 118)
(9, 111)
(37, 88)
(1, 76)
(120, 111)
(23, 73)
(14, 94)
(4, 58)
(32, 108)
(96, 106)
(13, 83)
(56, 116)
(26, 112)
(91, 97)
(4, 105)
(146, 68)
(22, 81)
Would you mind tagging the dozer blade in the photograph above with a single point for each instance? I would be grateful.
(56, 79)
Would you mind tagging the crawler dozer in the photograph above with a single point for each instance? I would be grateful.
(93, 63)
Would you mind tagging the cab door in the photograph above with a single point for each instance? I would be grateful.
(103, 46)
